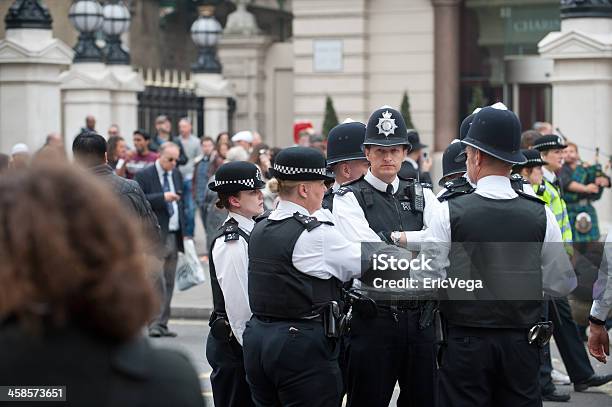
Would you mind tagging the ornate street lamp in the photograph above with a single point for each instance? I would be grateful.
(86, 16)
(28, 14)
(206, 33)
(116, 22)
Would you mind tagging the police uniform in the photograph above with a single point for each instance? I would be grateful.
(343, 144)
(487, 359)
(228, 275)
(396, 344)
(568, 341)
(297, 263)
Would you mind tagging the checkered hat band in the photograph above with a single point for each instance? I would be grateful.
(534, 160)
(548, 143)
(250, 182)
(295, 170)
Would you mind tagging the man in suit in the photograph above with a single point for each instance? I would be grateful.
(163, 186)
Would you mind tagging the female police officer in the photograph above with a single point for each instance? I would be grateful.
(238, 185)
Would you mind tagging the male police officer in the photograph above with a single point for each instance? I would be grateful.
(397, 342)
(238, 185)
(297, 262)
(345, 157)
(453, 171)
(488, 359)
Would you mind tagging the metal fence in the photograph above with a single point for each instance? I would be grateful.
(171, 93)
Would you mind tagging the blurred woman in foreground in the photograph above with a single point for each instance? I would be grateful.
(74, 296)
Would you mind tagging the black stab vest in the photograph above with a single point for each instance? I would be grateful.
(276, 288)
(499, 242)
(384, 212)
(232, 232)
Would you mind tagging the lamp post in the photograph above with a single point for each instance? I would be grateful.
(28, 14)
(205, 33)
(86, 17)
(116, 22)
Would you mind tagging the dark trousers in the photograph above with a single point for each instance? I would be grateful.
(291, 364)
(488, 367)
(382, 351)
(228, 379)
(570, 347)
(165, 281)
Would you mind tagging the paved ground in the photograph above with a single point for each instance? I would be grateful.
(191, 341)
(191, 308)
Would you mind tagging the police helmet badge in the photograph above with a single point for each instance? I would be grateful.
(386, 125)
(584, 223)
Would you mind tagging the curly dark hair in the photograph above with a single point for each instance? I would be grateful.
(63, 261)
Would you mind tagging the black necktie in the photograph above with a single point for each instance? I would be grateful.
(390, 189)
(166, 187)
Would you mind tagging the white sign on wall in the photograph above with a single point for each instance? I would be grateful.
(327, 55)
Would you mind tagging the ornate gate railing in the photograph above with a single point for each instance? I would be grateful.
(170, 93)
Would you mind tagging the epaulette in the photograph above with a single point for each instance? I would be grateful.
(530, 197)
(342, 190)
(230, 230)
(309, 222)
(427, 185)
(262, 216)
(456, 187)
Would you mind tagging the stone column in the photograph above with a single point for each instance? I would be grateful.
(87, 89)
(446, 72)
(215, 90)
(30, 64)
(124, 99)
(582, 82)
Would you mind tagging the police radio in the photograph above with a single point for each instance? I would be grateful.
(417, 198)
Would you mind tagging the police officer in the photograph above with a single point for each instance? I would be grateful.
(397, 342)
(239, 187)
(488, 358)
(297, 263)
(345, 157)
(531, 173)
(416, 164)
(453, 171)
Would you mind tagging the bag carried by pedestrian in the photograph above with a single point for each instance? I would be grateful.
(189, 270)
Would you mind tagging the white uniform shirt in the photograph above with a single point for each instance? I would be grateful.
(231, 265)
(602, 291)
(352, 222)
(558, 278)
(173, 223)
(323, 252)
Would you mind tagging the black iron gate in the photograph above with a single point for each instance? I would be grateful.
(175, 103)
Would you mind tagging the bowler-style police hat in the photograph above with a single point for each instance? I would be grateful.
(415, 140)
(386, 127)
(449, 165)
(534, 159)
(344, 142)
(237, 176)
(300, 164)
(549, 142)
(497, 132)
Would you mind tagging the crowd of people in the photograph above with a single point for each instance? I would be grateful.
(299, 222)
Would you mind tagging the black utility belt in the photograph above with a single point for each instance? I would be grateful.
(539, 334)
(315, 318)
(408, 305)
(220, 328)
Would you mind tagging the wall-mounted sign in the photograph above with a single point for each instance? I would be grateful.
(327, 56)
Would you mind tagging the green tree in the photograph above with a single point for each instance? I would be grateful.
(331, 119)
(478, 98)
(405, 111)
